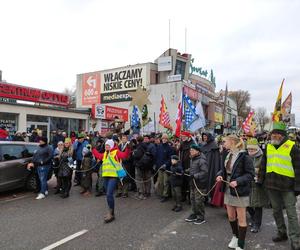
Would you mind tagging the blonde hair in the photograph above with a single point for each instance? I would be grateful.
(238, 143)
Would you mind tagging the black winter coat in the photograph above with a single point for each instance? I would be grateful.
(199, 170)
(213, 157)
(242, 173)
(175, 179)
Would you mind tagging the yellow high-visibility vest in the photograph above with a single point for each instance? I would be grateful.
(279, 160)
(108, 169)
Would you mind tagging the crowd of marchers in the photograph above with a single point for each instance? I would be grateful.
(242, 173)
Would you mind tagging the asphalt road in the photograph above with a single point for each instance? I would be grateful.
(27, 223)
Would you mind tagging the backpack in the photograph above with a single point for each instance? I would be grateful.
(146, 160)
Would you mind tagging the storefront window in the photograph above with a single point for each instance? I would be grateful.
(58, 123)
(37, 118)
(9, 121)
(77, 125)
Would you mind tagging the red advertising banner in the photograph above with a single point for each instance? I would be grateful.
(106, 112)
(23, 93)
(90, 88)
(193, 94)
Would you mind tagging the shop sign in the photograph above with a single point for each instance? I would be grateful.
(8, 100)
(218, 114)
(9, 124)
(198, 70)
(90, 88)
(174, 78)
(123, 79)
(110, 113)
(164, 63)
(115, 97)
(18, 92)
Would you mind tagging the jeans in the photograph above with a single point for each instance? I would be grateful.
(110, 184)
(43, 176)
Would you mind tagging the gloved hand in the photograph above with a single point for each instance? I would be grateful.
(163, 167)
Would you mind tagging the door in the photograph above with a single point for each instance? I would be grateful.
(13, 164)
(43, 126)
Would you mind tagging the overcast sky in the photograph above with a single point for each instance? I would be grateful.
(250, 44)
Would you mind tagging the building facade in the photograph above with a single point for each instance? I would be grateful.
(171, 74)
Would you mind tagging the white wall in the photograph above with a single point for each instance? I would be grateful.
(24, 110)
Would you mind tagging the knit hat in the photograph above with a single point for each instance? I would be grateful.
(44, 139)
(279, 128)
(252, 143)
(196, 147)
(81, 135)
(68, 140)
(174, 157)
(110, 142)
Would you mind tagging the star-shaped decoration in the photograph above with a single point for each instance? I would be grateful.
(140, 98)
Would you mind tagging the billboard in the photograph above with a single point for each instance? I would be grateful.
(90, 88)
(123, 79)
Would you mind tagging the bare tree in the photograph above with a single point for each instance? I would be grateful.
(261, 117)
(242, 99)
(72, 93)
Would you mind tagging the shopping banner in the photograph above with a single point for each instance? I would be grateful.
(90, 88)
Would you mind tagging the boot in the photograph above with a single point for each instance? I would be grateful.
(110, 216)
(280, 237)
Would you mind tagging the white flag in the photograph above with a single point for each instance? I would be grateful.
(200, 121)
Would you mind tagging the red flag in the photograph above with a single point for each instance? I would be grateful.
(247, 123)
(164, 118)
(178, 120)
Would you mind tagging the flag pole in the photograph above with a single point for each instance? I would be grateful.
(154, 121)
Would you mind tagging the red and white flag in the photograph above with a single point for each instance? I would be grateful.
(178, 120)
(247, 123)
(164, 117)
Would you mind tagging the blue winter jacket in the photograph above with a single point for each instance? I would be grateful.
(78, 147)
(163, 155)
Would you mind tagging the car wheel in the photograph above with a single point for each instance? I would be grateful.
(31, 183)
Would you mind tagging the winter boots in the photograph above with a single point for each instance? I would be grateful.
(110, 216)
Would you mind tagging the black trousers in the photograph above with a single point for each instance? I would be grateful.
(256, 215)
(66, 183)
(78, 175)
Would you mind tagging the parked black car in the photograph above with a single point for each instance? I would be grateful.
(14, 157)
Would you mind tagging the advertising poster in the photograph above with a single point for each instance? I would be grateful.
(90, 88)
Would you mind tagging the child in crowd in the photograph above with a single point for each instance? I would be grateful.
(176, 179)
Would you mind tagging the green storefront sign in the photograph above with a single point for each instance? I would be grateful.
(202, 72)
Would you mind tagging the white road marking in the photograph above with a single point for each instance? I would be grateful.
(63, 241)
(16, 198)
